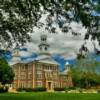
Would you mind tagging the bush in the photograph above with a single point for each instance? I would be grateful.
(3, 89)
(39, 89)
(98, 91)
(73, 88)
(21, 89)
(67, 89)
(59, 89)
(29, 89)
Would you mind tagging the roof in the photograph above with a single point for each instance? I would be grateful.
(43, 58)
(65, 72)
(46, 59)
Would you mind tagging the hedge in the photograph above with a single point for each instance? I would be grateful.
(59, 89)
(3, 89)
(39, 89)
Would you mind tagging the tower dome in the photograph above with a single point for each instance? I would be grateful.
(43, 46)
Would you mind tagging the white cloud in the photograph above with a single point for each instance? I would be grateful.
(25, 53)
(59, 42)
(14, 60)
(65, 44)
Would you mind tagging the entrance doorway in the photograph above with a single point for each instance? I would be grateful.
(49, 86)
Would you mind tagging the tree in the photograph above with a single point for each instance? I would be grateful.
(85, 79)
(76, 77)
(18, 17)
(6, 72)
(85, 73)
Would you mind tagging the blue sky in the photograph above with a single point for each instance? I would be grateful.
(8, 56)
(58, 58)
(62, 47)
(95, 13)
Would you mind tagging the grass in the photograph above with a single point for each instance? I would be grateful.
(48, 96)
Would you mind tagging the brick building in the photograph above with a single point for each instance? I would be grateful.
(42, 72)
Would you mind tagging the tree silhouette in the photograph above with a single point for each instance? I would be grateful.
(18, 17)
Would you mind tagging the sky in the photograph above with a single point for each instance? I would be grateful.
(66, 45)
(63, 47)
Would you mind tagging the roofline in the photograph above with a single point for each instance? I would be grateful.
(35, 61)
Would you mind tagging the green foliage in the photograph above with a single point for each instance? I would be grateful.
(3, 89)
(39, 89)
(70, 88)
(59, 89)
(84, 74)
(18, 17)
(6, 72)
(21, 89)
(50, 96)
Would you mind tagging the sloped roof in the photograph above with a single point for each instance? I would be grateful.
(65, 72)
(46, 59)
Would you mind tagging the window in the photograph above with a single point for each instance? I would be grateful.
(39, 72)
(55, 75)
(22, 84)
(39, 84)
(55, 68)
(29, 75)
(29, 84)
(39, 67)
(46, 48)
(22, 68)
(29, 68)
(16, 76)
(49, 67)
(55, 84)
(49, 75)
(22, 76)
(39, 76)
(15, 69)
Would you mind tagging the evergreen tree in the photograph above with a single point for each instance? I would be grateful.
(6, 72)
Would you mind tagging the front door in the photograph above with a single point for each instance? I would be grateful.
(49, 86)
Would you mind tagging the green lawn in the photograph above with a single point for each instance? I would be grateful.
(48, 96)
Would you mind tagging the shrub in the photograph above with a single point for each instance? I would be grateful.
(29, 89)
(39, 89)
(67, 89)
(59, 89)
(3, 89)
(21, 89)
(98, 91)
(73, 88)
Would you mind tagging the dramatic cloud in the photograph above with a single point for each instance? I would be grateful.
(64, 44)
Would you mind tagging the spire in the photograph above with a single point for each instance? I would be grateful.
(16, 51)
(43, 46)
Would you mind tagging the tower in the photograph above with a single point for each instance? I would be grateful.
(43, 46)
(16, 51)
